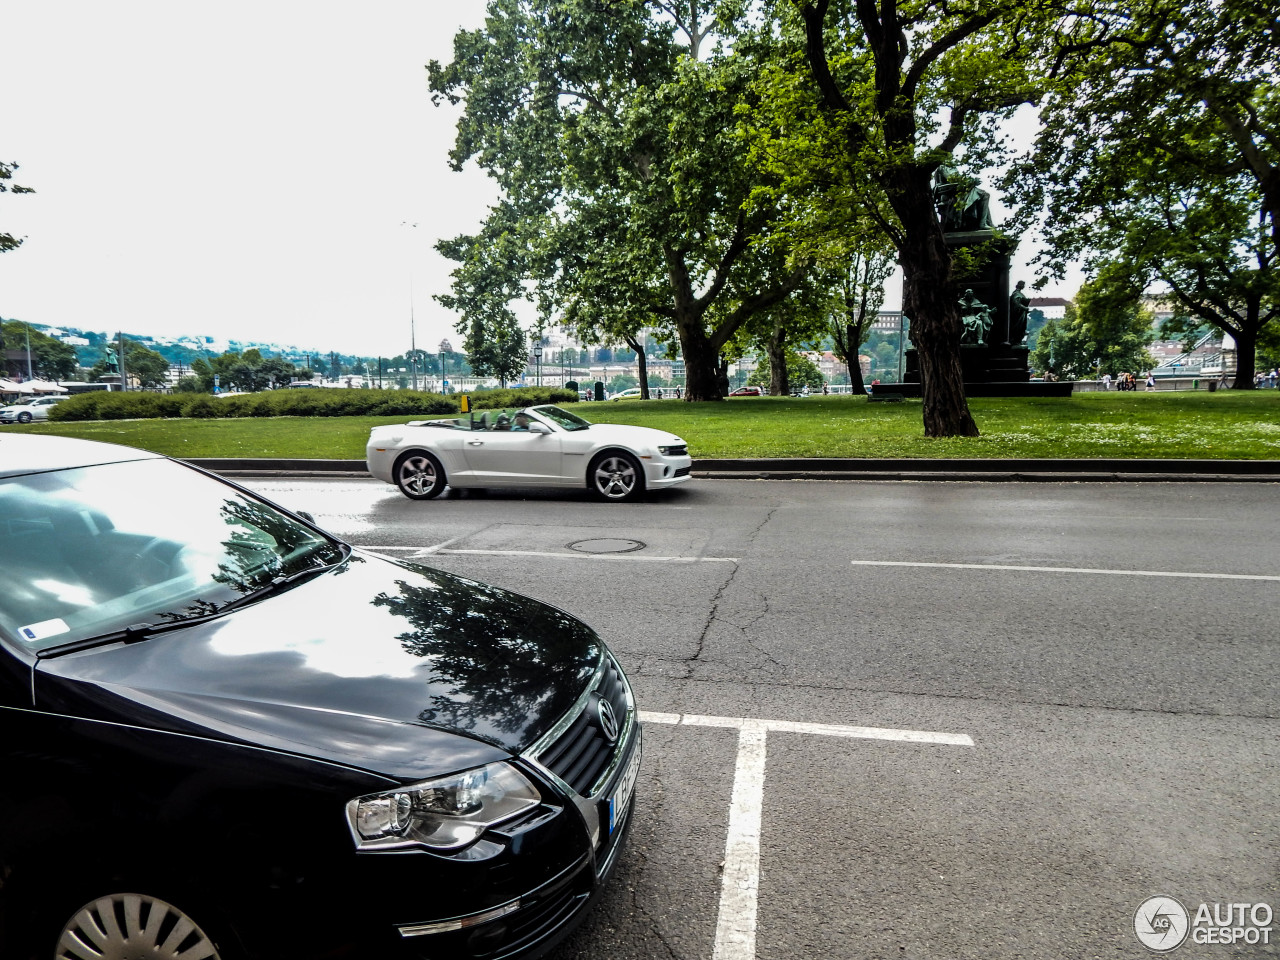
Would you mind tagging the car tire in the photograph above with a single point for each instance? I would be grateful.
(419, 475)
(616, 476)
(126, 925)
(24, 416)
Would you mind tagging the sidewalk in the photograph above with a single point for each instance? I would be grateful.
(1235, 471)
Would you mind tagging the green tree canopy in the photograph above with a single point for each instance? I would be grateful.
(51, 359)
(1106, 330)
(1162, 161)
(610, 129)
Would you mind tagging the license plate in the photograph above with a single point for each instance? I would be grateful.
(621, 796)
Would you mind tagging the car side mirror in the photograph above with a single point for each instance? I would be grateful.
(539, 428)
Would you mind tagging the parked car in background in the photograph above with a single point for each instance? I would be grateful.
(747, 392)
(28, 410)
(225, 733)
(633, 393)
(542, 446)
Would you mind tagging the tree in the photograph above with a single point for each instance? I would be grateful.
(7, 240)
(857, 88)
(858, 298)
(145, 365)
(801, 372)
(497, 349)
(1163, 161)
(1106, 330)
(610, 130)
(51, 359)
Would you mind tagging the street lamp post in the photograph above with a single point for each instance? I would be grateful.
(537, 356)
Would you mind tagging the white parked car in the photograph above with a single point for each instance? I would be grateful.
(542, 446)
(28, 410)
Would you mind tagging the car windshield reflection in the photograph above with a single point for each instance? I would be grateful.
(562, 418)
(99, 558)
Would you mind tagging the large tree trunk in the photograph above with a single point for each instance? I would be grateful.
(701, 371)
(776, 350)
(929, 300)
(1246, 339)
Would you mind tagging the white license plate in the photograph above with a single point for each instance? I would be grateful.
(621, 796)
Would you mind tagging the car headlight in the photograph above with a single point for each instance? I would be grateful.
(674, 450)
(443, 814)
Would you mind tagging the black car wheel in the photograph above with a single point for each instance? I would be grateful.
(419, 476)
(133, 926)
(24, 416)
(616, 476)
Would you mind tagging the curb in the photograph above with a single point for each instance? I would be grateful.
(990, 471)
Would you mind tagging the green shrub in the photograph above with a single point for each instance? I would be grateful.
(202, 407)
(104, 405)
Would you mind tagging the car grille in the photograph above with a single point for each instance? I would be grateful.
(582, 753)
(683, 472)
(681, 451)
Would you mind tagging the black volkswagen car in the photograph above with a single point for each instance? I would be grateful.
(226, 733)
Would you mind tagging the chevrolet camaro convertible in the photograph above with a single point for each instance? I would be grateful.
(228, 735)
(541, 446)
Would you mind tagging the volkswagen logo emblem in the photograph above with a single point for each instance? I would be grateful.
(607, 719)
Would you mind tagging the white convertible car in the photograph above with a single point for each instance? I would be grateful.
(541, 446)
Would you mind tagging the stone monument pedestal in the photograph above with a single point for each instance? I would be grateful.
(994, 367)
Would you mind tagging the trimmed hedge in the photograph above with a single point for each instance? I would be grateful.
(323, 402)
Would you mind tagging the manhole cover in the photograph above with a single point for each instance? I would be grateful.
(606, 545)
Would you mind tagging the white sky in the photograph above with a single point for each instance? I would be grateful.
(242, 170)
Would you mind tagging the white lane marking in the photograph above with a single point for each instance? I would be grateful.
(740, 883)
(1095, 570)
(740, 879)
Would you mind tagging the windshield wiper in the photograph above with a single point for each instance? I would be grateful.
(130, 634)
(145, 631)
(278, 583)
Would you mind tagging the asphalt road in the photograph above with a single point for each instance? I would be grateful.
(909, 720)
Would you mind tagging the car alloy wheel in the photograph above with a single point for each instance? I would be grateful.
(133, 926)
(24, 416)
(419, 476)
(616, 476)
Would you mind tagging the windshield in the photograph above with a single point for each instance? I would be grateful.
(562, 418)
(98, 549)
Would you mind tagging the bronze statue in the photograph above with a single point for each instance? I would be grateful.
(962, 205)
(1019, 310)
(976, 317)
(113, 363)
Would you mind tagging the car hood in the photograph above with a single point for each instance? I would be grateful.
(389, 667)
(634, 437)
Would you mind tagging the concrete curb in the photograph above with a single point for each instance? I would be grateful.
(1110, 470)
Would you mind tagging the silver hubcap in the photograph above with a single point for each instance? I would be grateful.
(129, 926)
(417, 475)
(615, 477)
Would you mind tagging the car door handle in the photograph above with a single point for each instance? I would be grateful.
(475, 443)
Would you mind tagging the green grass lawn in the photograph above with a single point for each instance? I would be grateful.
(1224, 425)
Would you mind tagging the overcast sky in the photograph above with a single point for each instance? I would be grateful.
(240, 169)
(244, 170)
